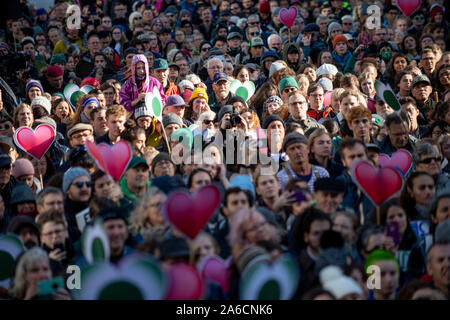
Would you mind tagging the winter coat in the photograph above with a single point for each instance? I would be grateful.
(285, 51)
(129, 91)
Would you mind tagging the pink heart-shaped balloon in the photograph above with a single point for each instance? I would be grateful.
(113, 161)
(184, 283)
(377, 184)
(189, 214)
(401, 159)
(408, 6)
(35, 142)
(215, 269)
(288, 16)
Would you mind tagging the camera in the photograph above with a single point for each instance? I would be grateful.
(235, 119)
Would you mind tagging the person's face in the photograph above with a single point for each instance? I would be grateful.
(326, 58)
(144, 122)
(442, 210)
(206, 15)
(6, 129)
(116, 124)
(380, 35)
(317, 228)
(184, 67)
(361, 128)
(341, 48)
(275, 133)
(344, 226)
(38, 271)
(40, 167)
(29, 47)
(328, 202)
(438, 265)
(62, 110)
(422, 190)
(335, 103)
(52, 201)
(171, 128)
(428, 61)
(367, 86)
(117, 34)
(398, 134)
(100, 61)
(235, 202)
(405, 83)
(208, 122)
(275, 44)
(28, 237)
(103, 186)
(56, 82)
(155, 217)
(203, 247)
(25, 117)
(179, 110)
(397, 214)
(199, 180)
(444, 77)
(222, 89)
(322, 146)
(268, 186)
(419, 20)
(347, 103)
(120, 11)
(80, 189)
(54, 36)
(117, 233)
(243, 75)
(161, 75)
(350, 155)
(293, 57)
(106, 23)
(139, 142)
(253, 32)
(53, 234)
(199, 105)
(41, 40)
(272, 107)
(316, 98)
(297, 106)
(164, 167)
(298, 153)
(286, 91)
(256, 52)
(140, 69)
(311, 74)
(137, 177)
(347, 25)
(99, 123)
(110, 95)
(258, 229)
(94, 45)
(430, 163)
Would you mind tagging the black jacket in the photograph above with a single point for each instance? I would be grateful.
(71, 209)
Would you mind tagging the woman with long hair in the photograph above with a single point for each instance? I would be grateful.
(321, 149)
(419, 189)
(256, 102)
(23, 116)
(85, 105)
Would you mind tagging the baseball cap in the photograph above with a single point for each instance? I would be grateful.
(311, 27)
(220, 76)
(329, 185)
(160, 64)
(419, 79)
(137, 161)
(175, 101)
(233, 35)
(287, 82)
(256, 42)
(5, 160)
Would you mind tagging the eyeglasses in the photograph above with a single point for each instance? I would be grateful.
(254, 33)
(137, 18)
(419, 18)
(430, 159)
(206, 49)
(81, 135)
(51, 233)
(207, 122)
(253, 23)
(5, 127)
(163, 163)
(80, 184)
(444, 74)
(347, 23)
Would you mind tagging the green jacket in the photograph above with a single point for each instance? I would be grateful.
(127, 192)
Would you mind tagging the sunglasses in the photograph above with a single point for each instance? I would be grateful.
(206, 49)
(430, 159)
(208, 122)
(5, 127)
(254, 33)
(80, 184)
(419, 18)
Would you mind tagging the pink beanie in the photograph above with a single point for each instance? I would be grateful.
(22, 167)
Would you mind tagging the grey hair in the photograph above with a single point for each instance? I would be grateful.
(212, 59)
(203, 115)
(421, 149)
(346, 17)
(321, 18)
(46, 191)
(192, 77)
(272, 36)
(18, 285)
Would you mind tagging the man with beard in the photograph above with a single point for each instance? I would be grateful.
(222, 94)
(296, 147)
(25, 228)
(77, 186)
(275, 136)
(135, 181)
(53, 80)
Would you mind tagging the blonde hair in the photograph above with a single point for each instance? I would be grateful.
(337, 93)
(139, 216)
(19, 285)
(16, 113)
(364, 76)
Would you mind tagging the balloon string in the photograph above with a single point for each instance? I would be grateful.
(165, 138)
(378, 215)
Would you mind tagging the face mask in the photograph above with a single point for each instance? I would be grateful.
(386, 55)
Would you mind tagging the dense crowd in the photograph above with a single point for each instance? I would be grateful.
(276, 118)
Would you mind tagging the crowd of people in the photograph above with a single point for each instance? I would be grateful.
(314, 114)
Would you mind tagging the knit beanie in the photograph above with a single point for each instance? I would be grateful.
(271, 118)
(275, 67)
(337, 283)
(71, 175)
(22, 167)
(339, 38)
(162, 156)
(43, 102)
(264, 6)
(33, 83)
(333, 26)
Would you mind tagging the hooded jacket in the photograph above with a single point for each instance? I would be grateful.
(285, 51)
(130, 92)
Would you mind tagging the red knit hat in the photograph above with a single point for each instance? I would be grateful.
(54, 71)
(435, 8)
(339, 38)
(91, 82)
(264, 7)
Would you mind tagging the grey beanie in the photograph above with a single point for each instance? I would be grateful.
(224, 110)
(332, 26)
(172, 118)
(43, 102)
(71, 175)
